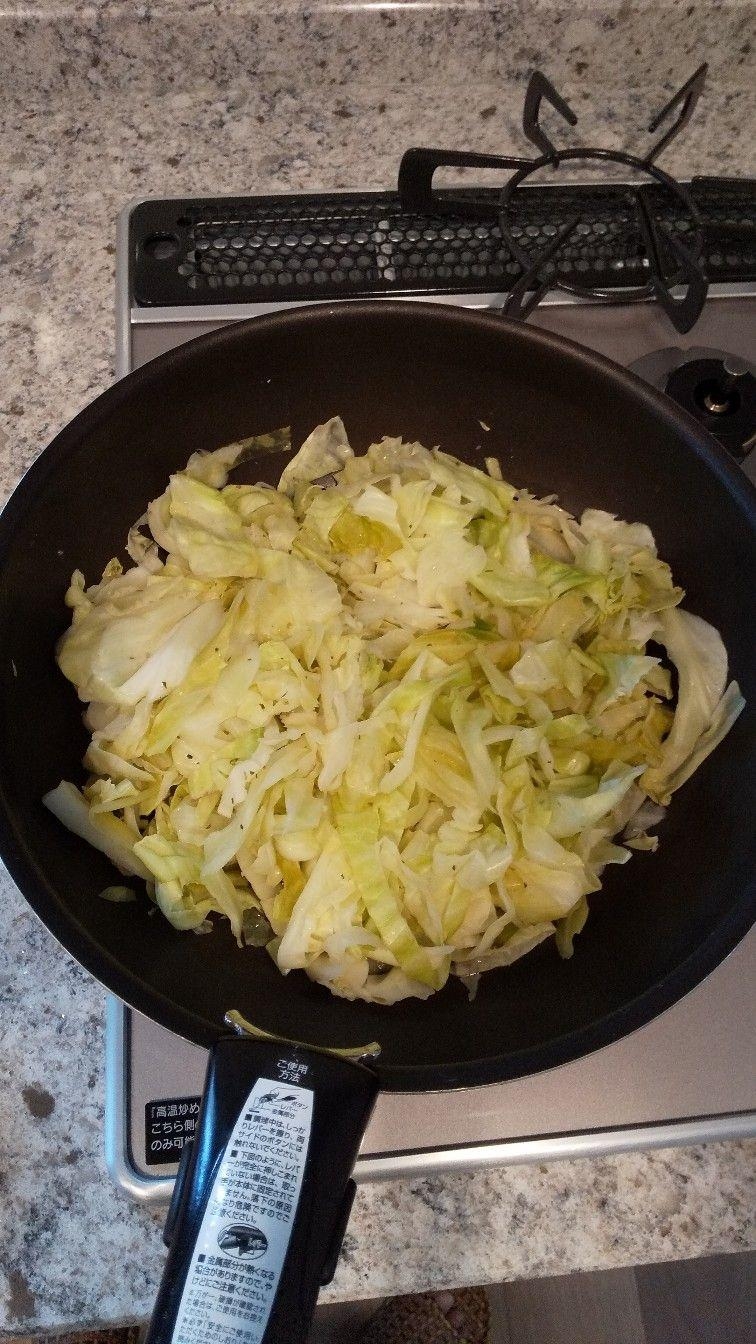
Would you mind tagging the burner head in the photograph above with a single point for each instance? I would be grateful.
(717, 388)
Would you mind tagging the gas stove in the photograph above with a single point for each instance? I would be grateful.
(185, 267)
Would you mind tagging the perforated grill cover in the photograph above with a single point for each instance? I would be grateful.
(360, 244)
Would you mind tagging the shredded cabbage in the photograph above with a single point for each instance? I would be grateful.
(392, 718)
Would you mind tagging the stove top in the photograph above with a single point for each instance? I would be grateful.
(185, 267)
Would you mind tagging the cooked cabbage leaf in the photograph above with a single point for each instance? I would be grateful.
(392, 718)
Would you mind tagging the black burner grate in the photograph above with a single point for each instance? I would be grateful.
(264, 249)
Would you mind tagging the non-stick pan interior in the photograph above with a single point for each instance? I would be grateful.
(559, 420)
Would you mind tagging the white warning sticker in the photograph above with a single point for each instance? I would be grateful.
(242, 1244)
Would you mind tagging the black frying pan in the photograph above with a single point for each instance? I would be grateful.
(561, 419)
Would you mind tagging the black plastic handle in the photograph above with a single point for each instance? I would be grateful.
(263, 1199)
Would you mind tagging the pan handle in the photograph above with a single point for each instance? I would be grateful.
(259, 1213)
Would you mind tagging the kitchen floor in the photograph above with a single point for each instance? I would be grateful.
(707, 1301)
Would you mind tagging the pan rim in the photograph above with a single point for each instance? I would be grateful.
(698, 439)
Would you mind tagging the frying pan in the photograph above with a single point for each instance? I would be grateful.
(559, 418)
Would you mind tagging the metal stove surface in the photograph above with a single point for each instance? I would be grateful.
(687, 1077)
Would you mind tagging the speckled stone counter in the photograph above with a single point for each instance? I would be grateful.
(104, 103)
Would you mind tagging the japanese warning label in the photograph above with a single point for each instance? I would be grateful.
(168, 1127)
(245, 1232)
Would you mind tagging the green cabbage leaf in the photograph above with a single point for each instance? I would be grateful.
(392, 719)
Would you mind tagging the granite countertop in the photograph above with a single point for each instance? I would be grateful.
(103, 103)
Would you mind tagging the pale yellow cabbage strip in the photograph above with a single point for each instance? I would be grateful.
(393, 718)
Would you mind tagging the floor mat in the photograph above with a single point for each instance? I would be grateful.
(459, 1317)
